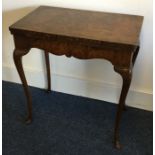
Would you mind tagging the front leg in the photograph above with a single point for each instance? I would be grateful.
(17, 55)
(126, 74)
(133, 63)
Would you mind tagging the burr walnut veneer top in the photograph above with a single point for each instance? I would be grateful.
(89, 25)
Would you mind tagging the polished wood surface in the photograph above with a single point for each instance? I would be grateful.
(84, 35)
(99, 26)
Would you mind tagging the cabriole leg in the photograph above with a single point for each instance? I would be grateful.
(17, 55)
(126, 76)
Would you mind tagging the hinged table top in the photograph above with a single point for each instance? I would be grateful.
(90, 25)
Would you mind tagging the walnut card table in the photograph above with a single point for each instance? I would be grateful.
(81, 34)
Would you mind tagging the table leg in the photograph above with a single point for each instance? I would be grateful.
(135, 55)
(126, 76)
(17, 55)
(133, 63)
(48, 70)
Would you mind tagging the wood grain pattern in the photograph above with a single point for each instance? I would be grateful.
(89, 25)
(83, 35)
